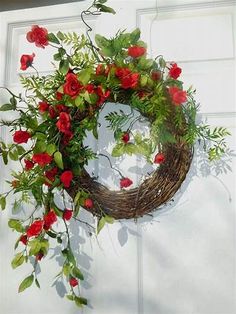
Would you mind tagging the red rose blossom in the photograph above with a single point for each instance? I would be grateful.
(174, 71)
(26, 61)
(88, 203)
(125, 137)
(66, 178)
(159, 158)
(100, 69)
(67, 214)
(130, 81)
(20, 137)
(49, 219)
(125, 182)
(103, 95)
(42, 159)
(50, 175)
(35, 229)
(23, 239)
(156, 75)
(67, 137)
(59, 96)
(178, 96)
(43, 106)
(122, 72)
(63, 124)
(72, 86)
(136, 51)
(28, 164)
(73, 282)
(38, 35)
(39, 256)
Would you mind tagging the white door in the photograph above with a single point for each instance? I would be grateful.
(183, 260)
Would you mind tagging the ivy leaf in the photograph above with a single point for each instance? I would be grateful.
(7, 107)
(51, 148)
(3, 202)
(5, 157)
(58, 160)
(101, 224)
(102, 42)
(77, 273)
(118, 150)
(53, 39)
(18, 260)
(135, 35)
(16, 225)
(85, 75)
(13, 154)
(109, 219)
(104, 8)
(130, 148)
(70, 297)
(80, 301)
(26, 283)
(64, 66)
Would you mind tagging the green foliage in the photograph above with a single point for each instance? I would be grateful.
(18, 260)
(26, 283)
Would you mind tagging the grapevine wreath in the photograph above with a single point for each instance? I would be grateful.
(56, 112)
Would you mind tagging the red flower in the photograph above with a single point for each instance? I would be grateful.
(28, 164)
(59, 96)
(63, 124)
(103, 95)
(23, 239)
(125, 137)
(67, 214)
(38, 35)
(73, 282)
(90, 88)
(122, 72)
(67, 137)
(159, 158)
(100, 69)
(125, 182)
(72, 86)
(130, 81)
(26, 61)
(43, 106)
(136, 51)
(156, 75)
(88, 203)
(49, 219)
(20, 137)
(52, 112)
(42, 159)
(35, 229)
(178, 96)
(66, 178)
(174, 71)
(50, 175)
(39, 256)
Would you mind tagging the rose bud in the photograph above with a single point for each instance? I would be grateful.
(125, 137)
(73, 282)
(159, 158)
(88, 203)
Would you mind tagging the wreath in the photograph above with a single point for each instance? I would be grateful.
(56, 112)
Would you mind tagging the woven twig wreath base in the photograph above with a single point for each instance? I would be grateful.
(155, 191)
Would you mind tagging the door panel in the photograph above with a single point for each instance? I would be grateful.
(183, 260)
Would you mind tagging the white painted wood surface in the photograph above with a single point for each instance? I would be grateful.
(183, 261)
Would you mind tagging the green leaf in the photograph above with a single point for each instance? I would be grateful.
(60, 35)
(104, 8)
(101, 224)
(102, 42)
(107, 52)
(79, 102)
(58, 160)
(3, 202)
(37, 283)
(51, 148)
(18, 260)
(40, 147)
(13, 154)
(53, 39)
(145, 64)
(102, 1)
(13, 101)
(66, 269)
(118, 150)
(20, 150)
(26, 283)
(57, 57)
(16, 225)
(64, 66)
(77, 273)
(135, 35)
(5, 156)
(70, 297)
(85, 75)
(80, 301)
(7, 107)
(109, 219)
(35, 247)
(130, 148)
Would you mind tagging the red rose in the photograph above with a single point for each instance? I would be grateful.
(100, 69)
(43, 106)
(38, 35)
(103, 95)
(67, 214)
(125, 182)
(63, 124)
(39, 256)
(136, 51)
(50, 175)
(156, 75)
(72, 86)
(35, 229)
(159, 158)
(88, 203)
(42, 159)
(59, 96)
(73, 282)
(28, 164)
(26, 61)
(20, 137)
(49, 219)
(122, 72)
(130, 81)
(178, 96)
(66, 178)
(24, 239)
(174, 71)
(90, 88)
(67, 137)
(125, 138)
